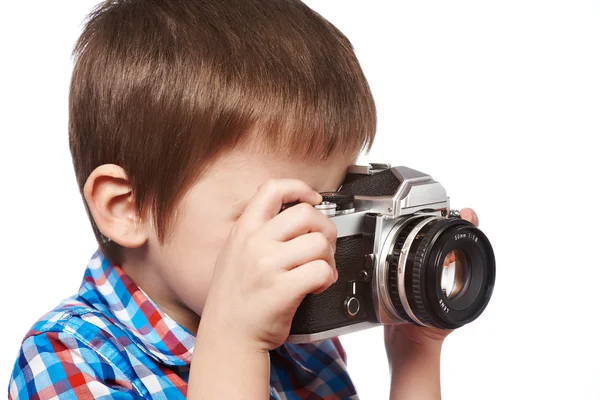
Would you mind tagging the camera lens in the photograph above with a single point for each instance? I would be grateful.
(454, 273)
(441, 271)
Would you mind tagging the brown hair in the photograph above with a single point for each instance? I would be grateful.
(161, 87)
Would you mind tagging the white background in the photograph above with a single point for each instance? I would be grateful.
(499, 101)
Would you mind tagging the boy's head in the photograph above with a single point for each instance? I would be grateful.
(179, 109)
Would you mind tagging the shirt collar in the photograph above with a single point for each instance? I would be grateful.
(110, 290)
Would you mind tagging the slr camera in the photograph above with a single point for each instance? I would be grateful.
(402, 256)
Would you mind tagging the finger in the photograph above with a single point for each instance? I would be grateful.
(298, 220)
(450, 258)
(469, 215)
(313, 277)
(304, 249)
(271, 195)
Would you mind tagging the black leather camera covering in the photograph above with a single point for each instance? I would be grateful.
(325, 311)
(384, 183)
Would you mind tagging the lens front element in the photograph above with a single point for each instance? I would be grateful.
(454, 273)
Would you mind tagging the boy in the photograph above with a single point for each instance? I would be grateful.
(191, 123)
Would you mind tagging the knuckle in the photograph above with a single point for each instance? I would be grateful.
(305, 211)
(270, 187)
(266, 262)
(333, 230)
(253, 248)
(329, 227)
(321, 243)
(325, 272)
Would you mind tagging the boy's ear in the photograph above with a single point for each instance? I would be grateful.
(109, 197)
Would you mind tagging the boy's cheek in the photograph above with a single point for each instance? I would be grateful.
(189, 257)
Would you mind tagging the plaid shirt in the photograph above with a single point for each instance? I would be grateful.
(111, 341)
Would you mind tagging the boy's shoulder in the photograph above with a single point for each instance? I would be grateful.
(76, 326)
(94, 327)
(77, 348)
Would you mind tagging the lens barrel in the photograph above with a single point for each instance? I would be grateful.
(418, 263)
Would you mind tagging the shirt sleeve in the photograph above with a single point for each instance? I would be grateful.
(58, 365)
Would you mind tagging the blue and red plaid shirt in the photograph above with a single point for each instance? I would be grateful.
(111, 341)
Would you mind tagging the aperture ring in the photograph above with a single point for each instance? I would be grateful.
(418, 271)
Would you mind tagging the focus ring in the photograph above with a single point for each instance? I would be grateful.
(418, 271)
(393, 270)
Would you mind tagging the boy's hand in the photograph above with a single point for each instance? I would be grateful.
(269, 262)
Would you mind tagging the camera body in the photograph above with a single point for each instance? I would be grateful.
(394, 227)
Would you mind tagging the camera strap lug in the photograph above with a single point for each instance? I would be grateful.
(366, 274)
